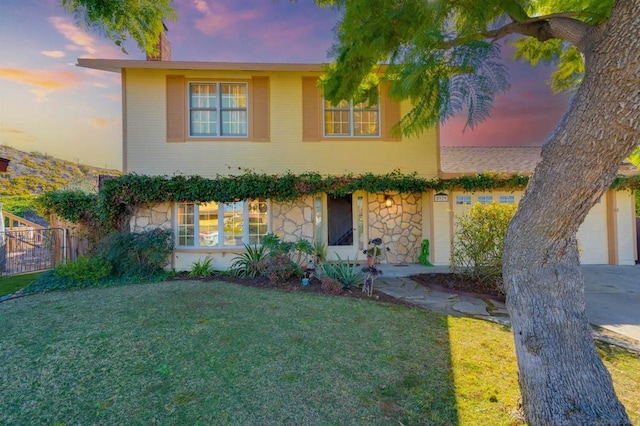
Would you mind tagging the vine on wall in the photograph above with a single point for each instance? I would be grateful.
(112, 207)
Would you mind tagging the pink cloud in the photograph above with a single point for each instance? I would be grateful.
(53, 53)
(218, 20)
(42, 82)
(103, 123)
(45, 79)
(80, 39)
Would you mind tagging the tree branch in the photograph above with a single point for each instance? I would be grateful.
(562, 26)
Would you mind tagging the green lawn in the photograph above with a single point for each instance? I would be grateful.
(217, 353)
(11, 284)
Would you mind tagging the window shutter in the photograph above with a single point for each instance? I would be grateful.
(390, 113)
(260, 109)
(176, 108)
(311, 111)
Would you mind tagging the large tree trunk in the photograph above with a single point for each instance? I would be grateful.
(562, 379)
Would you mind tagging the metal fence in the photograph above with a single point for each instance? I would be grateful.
(31, 250)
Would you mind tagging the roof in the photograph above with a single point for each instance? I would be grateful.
(461, 160)
(117, 65)
(477, 159)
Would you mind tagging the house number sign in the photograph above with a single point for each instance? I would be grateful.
(440, 197)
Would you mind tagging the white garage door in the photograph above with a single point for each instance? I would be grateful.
(592, 236)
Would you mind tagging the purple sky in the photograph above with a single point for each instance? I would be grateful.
(47, 104)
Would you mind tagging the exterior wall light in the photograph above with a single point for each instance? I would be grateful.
(388, 201)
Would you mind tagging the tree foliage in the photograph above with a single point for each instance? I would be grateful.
(444, 55)
(119, 20)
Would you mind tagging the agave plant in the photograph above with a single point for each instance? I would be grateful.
(250, 263)
(344, 271)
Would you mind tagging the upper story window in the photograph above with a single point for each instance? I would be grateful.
(218, 109)
(218, 225)
(349, 119)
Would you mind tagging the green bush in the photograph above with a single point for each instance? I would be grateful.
(478, 243)
(22, 206)
(343, 271)
(297, 251)
(279, 268)
(201, 268)
(136, 254)
(84, 269)
(82, 273)
(277, 260)
(250, 263)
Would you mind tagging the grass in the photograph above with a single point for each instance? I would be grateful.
(13, 283)
(189, 352)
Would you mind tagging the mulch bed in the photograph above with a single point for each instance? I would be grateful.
(458, 284)
(442, 282)
(295, 284)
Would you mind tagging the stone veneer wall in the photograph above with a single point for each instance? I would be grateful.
(399, 226)
(293, 221)
(147, 218)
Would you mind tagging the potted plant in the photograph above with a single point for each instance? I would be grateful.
(372, 254)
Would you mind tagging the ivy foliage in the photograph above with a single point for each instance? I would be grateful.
(120, 197)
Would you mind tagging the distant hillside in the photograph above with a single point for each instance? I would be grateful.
(35, 173)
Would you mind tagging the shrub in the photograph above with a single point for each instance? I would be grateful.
(478, 243)
(319, 252)
(296, 251)
(84, 272)
(331, 285)
(250, 263)
(136, 254)
(201, 268)
(277, 260)
(343, 271)
(279, 268)
(84, 269)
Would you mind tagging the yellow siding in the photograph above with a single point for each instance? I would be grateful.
(147, 151)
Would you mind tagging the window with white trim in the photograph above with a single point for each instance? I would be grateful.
(463, 199)
(217, 225)
(218, 109)
(485, 199)
(349, 119)
(507, 199)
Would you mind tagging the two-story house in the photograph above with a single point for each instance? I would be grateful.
(213, 118)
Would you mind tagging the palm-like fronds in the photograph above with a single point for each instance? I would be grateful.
(250, 263)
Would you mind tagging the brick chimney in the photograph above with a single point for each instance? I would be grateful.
(164, 47)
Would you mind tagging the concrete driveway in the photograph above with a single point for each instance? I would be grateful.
(613, 298)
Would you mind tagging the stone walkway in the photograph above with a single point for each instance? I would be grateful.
(396, 283)
(444, 302)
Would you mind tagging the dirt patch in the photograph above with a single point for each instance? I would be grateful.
(295, 284)
(458, 284)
